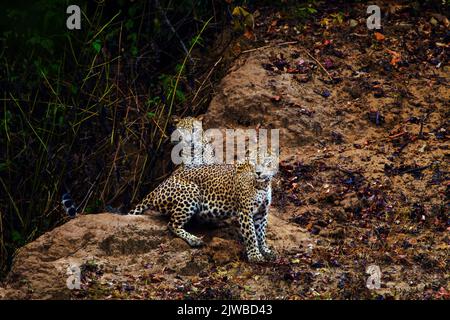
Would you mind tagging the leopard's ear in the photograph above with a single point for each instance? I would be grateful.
(175, 119)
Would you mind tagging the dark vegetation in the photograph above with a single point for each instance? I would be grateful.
(88, 111)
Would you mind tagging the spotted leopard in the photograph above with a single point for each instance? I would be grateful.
(198, 149)
(219, 191)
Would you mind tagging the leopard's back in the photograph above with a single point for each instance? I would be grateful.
(215, 189)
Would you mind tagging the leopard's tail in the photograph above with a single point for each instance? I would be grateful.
(69, 205)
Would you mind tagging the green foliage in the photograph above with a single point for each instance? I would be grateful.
(304, 11)
(95, 206)
(97, 45)
(17, 238)
(197, 40)
(153, 102)
(168, 85)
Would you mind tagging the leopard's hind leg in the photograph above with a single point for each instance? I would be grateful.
(178, 220)
(139, 209)
(184, 207)
(144, 205)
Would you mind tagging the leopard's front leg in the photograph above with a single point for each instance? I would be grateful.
(260, 220)
(248, 232)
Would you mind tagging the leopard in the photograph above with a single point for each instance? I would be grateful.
(217, 192)
(198, 149)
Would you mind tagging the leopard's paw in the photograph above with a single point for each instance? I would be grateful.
(256, 258)
(195, 241)
(268, 254)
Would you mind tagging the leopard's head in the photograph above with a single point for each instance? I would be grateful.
(188, 127)
(266, 166)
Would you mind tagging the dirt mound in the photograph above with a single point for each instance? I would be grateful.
(131, 256)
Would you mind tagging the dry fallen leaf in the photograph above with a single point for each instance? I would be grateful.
(379, 36)
(396, 57)
(249, 34)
